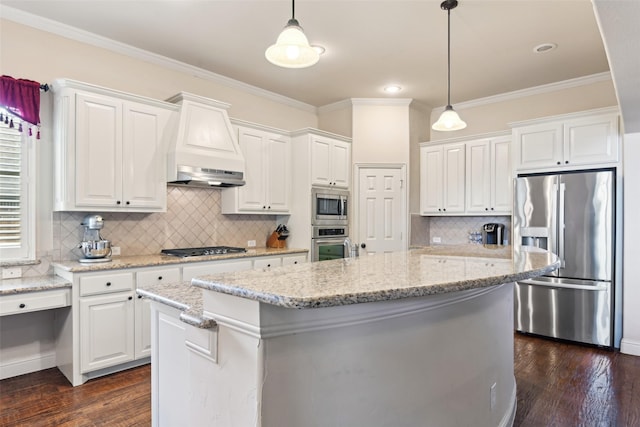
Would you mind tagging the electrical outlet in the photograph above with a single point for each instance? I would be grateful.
(115, 250)
(493, 396)
(11, 272)
(437, 240)
(251, 243)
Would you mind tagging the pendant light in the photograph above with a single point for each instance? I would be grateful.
(292, 49)
(449, 120)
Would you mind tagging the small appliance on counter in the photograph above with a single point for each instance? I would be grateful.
(93, 247)
(493, 234)
(278, 239)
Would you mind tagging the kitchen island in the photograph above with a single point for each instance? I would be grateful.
(416, 338)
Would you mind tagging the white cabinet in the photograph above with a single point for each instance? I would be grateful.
(293, 259)
(266, 263)
(267, 190)
(142, 328)
(108, 150)
(106, 333)
(566, 142)
(442, 179)
(488, 176)
(330, 162)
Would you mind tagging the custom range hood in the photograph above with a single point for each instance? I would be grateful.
(203, 149)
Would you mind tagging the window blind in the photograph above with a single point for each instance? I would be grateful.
(10, 187)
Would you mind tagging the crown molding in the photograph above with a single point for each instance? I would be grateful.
(536, 90)
(340, 105)
(83, 36)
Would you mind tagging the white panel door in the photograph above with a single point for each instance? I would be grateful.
(143, 156)
(382, 213)
(251, 195)
(98, 151)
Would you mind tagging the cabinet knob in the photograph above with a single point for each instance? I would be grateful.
(130, 298)
(295, 262)
(444, 209)
(139, 296)
(22, 305)
(268, 265)
(491, 208)
(269, 207)
(558, 163)
(439, 210)
(118, 202)
(566, 162)
(486, 209)
(264, 207)
(108, 283)
(159, 277)
(128, 202)
(363, 245)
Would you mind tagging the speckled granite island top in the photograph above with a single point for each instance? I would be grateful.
(414, 273)
(159, 259)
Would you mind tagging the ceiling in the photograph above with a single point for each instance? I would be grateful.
(369, 44)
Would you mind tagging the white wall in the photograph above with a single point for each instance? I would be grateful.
(495, 113)
(33, 54)
(380, 131)
(631, 270)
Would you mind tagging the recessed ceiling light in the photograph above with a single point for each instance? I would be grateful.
(545, 47)
(392, 89)
(318, 48)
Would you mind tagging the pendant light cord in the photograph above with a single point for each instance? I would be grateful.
(449, 56)
(293, 9)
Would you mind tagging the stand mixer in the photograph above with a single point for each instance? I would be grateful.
(93, 247)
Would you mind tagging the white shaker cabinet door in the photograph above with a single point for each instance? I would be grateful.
(454, 177)
(501, 177)
(321, 161)
(478, 185)
(106, 334)
(278, 173)
(98, 151)
(341, 164)
(143, 160)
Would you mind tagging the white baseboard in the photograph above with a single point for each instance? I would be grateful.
(630, 347)
(27, 365)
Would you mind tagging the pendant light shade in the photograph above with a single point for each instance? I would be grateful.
(449, 120)
(292, 49)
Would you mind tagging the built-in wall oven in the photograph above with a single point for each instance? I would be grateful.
(328, 242)
(329, 206)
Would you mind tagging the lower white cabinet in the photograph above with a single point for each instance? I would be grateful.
(109, 326)
(106, 331)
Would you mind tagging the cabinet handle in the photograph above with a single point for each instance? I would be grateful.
(118, 202)
(128, 202)
(130, 298)
(264, 207)
(486, 209)
(159, 277)
(268, 265)
(139, 296)
(444, 209)
(269, 207)
(439, 210)
(566, 162)
(23, 305)
(295, 262)
(491, 208)
(558, 163)
(108, 283)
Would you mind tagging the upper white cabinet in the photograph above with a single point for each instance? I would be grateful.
(488, 176)
(442, 179)
(330, 162)
(267, 154)
(565, 142)
(109, 153)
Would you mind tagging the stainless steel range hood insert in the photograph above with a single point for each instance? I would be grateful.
(203, 149)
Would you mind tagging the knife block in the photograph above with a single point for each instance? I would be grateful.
(274, 241)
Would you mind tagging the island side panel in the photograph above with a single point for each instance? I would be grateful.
(418, 361)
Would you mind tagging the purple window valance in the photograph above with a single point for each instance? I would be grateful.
(21, 98)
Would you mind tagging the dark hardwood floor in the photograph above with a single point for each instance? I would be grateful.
(559, 384)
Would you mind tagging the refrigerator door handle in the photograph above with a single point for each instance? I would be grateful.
(597, 287)
(561, 226)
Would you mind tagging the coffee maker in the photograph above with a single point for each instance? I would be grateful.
(493, 234)
(93, 247)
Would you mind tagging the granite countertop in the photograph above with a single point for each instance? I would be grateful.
(417, 272)
(182, 296)
(32, 284)
(379, 277)
(160, 259)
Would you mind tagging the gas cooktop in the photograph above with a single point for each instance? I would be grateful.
(208, 250)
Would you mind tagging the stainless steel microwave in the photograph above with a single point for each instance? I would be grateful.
(329, 206)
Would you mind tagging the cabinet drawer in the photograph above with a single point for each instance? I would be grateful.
(294, 259)
(266, 263)
(160, 275)
(106, 283)
(34, 301)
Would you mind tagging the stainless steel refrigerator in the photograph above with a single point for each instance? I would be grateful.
(573, 216)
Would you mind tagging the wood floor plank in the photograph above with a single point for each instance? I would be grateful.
(558, 384)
